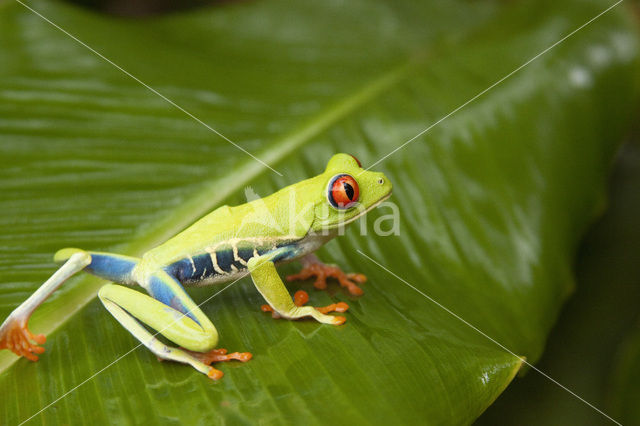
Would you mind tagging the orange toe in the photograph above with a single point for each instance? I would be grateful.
(355, 290)
(300, 298)
(221, 355)
(218, 355)
(215, 374)
(320, 283)
(17, 338)
(334, 307)
(359, 278)
(339, 320)
(322, 272)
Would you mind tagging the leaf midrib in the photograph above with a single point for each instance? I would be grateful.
(52, 315)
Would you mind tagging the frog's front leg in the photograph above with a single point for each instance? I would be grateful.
(268, 282)
(313, 267)
(301, 298)
(174, 315)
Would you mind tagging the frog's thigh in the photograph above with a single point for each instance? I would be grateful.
(174, 315)
(112, 292)
(268, 282)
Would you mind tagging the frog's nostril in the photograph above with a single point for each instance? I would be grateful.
(380, 181)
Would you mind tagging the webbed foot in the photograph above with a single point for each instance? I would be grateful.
(15, 336)
(301, 297)
(315, 268)
(218, 355)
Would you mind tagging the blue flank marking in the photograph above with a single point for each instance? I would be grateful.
(286, 251)
(224, 259)
(111, 267)
(204, 266)
(245, 253)
(183, 270)
(163, 293)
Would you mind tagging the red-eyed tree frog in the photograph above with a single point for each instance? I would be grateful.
(223, 246)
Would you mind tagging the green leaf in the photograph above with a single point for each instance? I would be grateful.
(593, 327)
(492, 200)
(625, 392)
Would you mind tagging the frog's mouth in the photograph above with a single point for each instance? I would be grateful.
(371, 207)
(334, 226)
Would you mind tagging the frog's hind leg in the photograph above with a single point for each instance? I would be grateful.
(14, 334)
(174, 315)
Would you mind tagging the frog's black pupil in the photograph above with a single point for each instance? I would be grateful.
(348, 189)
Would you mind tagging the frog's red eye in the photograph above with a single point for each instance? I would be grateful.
(357, 161)
(343, 191)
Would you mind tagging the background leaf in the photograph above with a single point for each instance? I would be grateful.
(626, 390)
(492, 201)
(592, 348)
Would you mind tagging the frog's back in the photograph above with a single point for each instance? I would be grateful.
(209, 230)
(218, 246)
(224, 226)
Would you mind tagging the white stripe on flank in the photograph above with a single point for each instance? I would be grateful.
(214, 261)
(236, 257)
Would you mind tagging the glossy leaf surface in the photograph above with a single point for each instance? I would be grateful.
(591, 348)
(492, 200)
